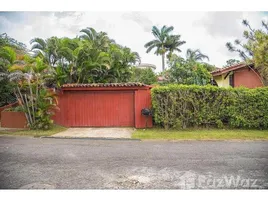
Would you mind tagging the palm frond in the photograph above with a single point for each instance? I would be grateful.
(153, 42)
(156, 32)
(39, 41)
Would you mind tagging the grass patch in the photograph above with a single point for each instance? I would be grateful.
(37, 133)
(200, 134)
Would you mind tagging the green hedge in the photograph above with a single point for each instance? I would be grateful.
(182, 106)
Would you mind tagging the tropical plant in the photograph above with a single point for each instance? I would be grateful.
(186, 72)
(28, 79)
(99, 40)
(92, 65)
(195, 55)
(146, 76)
(172, 44)
(122, 59)
(6, 40)
(164, 42)
(46, 49)
(92, 57)
(8, 57)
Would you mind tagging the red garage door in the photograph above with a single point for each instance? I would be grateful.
(101, 108)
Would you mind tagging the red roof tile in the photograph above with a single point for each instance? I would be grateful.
(229, 68)
(104, 85)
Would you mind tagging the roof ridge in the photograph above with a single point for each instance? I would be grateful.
(227, 67)
(129, 84)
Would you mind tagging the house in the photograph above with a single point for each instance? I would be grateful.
(237, 75)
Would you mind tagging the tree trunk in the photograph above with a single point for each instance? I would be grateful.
(163, 62)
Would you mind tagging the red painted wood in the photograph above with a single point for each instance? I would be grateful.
(142, 100)
(101, 109)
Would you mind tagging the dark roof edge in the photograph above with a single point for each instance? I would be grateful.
(230, 68)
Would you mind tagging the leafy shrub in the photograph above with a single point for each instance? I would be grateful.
(15, 109)
(7, 96)
(191, 106)
(146, 76)
(46, 105)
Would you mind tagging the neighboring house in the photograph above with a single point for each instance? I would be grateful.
(146, 65)
(161, 79)
(237, 75)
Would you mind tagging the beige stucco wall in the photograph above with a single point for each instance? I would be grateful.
(221, 81)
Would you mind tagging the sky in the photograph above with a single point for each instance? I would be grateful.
(207, 31)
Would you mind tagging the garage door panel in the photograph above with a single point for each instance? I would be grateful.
(102, 108)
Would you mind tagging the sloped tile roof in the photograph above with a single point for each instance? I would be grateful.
(229, 68)
(105, 85)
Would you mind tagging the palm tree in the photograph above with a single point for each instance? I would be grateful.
(7, 57)
(46, 49)
(99, 40)
(91, 64)
(173, 43)
(122, 59)
(159, 43)
(195, 55)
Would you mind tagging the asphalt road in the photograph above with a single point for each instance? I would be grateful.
(108, 164)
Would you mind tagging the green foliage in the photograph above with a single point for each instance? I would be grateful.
(200, 134)
(91, 58)
(15, 109)
(182, 106)
(187, 72)
(146, 76)
(260, 54)
(7, 96)
(254, 50)
(195, 55)
(45, 106)
(231, 62)
(164, 43)
(6, 40)
(7, 58)
(37, 101)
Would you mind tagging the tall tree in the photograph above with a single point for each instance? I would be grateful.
(99, 40)
(163, 42)
(183, 71)
(146, 76)
(231, 62)
(92, 57)
(260, 54)
(122, 59)
(195, 55)
(46, 49)
(254, 50)
(172, 44)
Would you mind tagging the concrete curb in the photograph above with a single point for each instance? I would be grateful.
(91, 138)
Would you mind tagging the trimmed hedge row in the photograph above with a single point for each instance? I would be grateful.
(182, 106)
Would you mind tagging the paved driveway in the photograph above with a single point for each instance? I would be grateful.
(96, 133)
(111, 164)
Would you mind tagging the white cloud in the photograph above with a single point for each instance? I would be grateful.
(140, 19)
(207, 31)
(222, 24)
